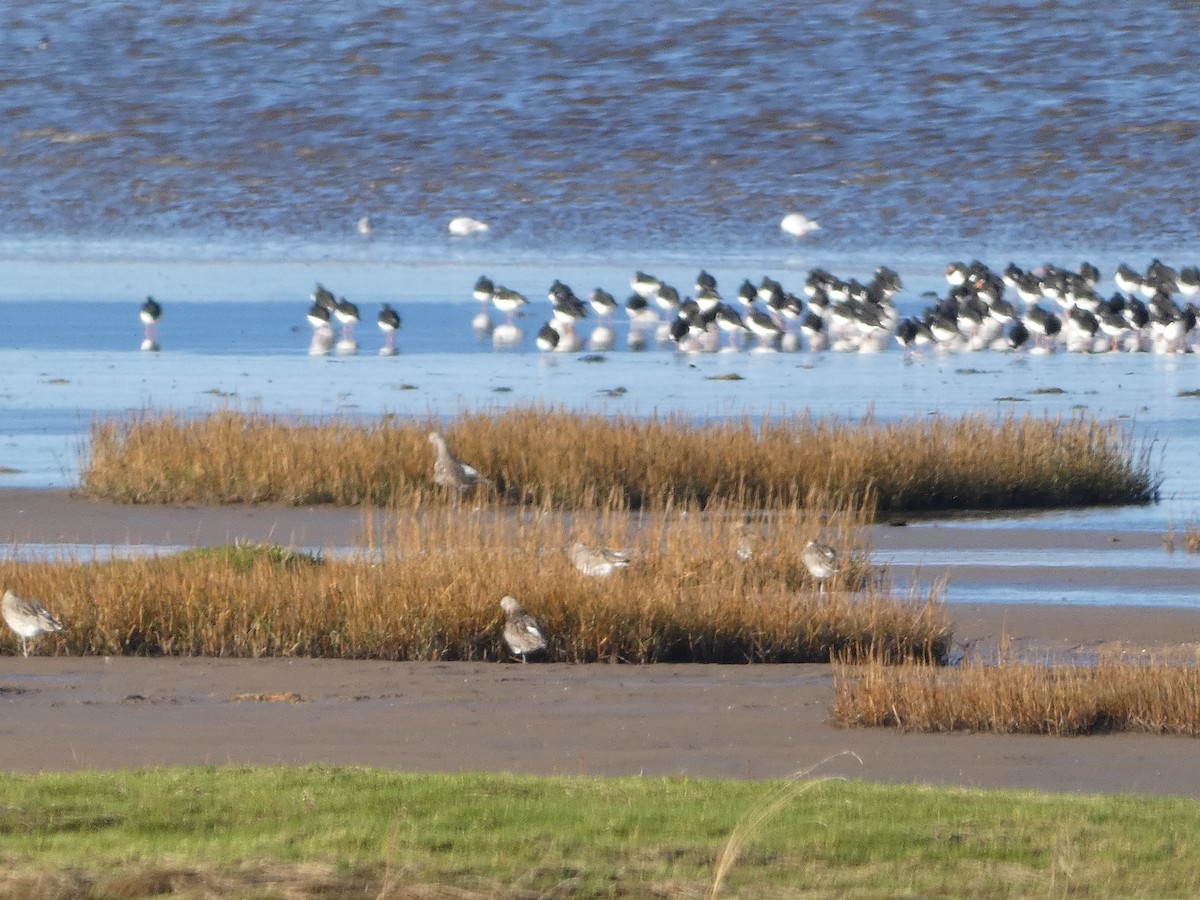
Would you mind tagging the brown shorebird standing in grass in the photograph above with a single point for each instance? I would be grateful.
(597, 561)
(522, 634)
(748, 539)
(27, 618)
(821, 561)
(449, 472)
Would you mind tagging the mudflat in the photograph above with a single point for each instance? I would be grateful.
(721, 721)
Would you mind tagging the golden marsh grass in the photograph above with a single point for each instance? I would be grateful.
(431, 587)
(578, 461)
(1191, 538)
(1155, 696)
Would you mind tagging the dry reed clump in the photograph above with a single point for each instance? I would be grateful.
(1191, 538)
(1156, 696)
(577, 461)
(432, 593)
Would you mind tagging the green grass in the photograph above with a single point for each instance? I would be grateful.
(320, 831)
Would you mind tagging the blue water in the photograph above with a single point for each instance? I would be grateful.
(218, 156)
(1049, 126)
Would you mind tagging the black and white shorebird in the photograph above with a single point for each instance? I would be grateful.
(347, 315)
(522, 634)
(705, 282)
(547, 338)
(1189, 281)
(322, 296)
(150, 313)
(483, 291)
(605, 306)
(820, 560)
(389, 323)
(28, 618)
(912, 334)
(323, 333)
(508, 302)
(596, 561)
(450, 472)
(644, 285)
(768, 330)
(567, 309)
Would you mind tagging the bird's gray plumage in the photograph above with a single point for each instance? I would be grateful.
(599, 561)
(449, 472)
(820, 560)
(27, 618)
(522, 634)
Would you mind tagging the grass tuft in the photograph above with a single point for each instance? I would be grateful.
(569, 460)
(1154, 696)
(431, 588)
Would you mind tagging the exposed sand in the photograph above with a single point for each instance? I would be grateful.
(724, 721)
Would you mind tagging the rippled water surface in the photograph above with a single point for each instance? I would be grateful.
(607, 124)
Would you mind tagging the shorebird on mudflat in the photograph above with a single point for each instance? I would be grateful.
(347, 314)
(150, 313)
(814, 330)
(508, 301)
(667, 298)
(596, 561)
(389, 324)
(767, 329)
(450, 472)
(566, 307)
(747, 293)
(547, 338)
(644, 285)
(820, 560)
(603, 303)
(728, 320)
(28, 618)
(1127, 280)
(1017, 336)
(482, 292)
(323, 334)
(522, 634)
(641, 314)
(913, 334)
(322, 296)
(1189, 281)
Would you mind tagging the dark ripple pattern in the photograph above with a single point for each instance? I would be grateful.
(608, 124)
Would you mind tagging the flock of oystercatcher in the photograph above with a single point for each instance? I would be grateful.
(1034, 311)
(327, 309)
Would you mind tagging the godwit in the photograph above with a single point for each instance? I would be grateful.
(449, 472)
(522, 633)
(28, 618)
(596, 561)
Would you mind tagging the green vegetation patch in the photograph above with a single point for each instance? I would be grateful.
(242, 556)
(323, 831)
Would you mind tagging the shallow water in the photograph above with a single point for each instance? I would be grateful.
(1047, 125)
(220, 158)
